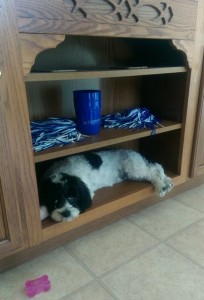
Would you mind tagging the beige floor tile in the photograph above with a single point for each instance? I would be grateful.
(109, 247)
(193, 198)
(65, 274)
(191, 242)
(93, 292)
(160, 274)
(166, 218)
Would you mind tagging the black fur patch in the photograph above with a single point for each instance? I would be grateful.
(94, 160)
(51, 195)
(71, 189)
(77, 192)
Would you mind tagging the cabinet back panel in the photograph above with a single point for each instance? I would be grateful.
(165, 95)
(46, 99)
(81, 53)
(106, 53)
(164, 149)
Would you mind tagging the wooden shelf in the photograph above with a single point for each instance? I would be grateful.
(106, 137)
(105, 203)
(73, 74)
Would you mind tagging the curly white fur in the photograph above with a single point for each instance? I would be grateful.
(117, 165)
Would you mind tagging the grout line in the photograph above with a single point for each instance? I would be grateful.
(129, 260)
(91, 273)
(159, 241)
(145, 230)
(76, 258)
(189, 206)
(185, 256)
(108, 290)
(182, 230)
(77, 290)
(98, 279)
(170, 236)
(165, 241)
(114, 268)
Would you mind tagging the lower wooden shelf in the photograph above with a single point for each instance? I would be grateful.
(106, 202)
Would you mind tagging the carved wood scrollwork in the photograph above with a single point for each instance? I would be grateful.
(187, 47)
(123, 11)
(33, 44)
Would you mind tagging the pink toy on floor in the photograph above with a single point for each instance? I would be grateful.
(37, 286)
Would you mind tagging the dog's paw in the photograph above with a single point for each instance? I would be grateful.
(166, 186)
(43, 213)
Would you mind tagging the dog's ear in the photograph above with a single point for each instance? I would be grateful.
(48, 193)
(77, 192)
(84, 196)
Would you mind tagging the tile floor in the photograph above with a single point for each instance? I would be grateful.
(156, 254)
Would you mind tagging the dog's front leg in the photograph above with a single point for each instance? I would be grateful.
(162, 183)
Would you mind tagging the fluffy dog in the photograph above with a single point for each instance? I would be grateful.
(69, 185)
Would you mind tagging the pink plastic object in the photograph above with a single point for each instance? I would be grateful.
(37, 286)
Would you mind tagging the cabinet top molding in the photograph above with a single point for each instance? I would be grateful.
(139, 18)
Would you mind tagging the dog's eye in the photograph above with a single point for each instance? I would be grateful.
(72, 201)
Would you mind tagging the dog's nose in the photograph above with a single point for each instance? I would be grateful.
(65, 213)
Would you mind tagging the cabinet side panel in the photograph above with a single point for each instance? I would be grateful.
(198, 151)
(3, 225)
(16, 158)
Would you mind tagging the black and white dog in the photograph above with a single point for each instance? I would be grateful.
(69, 185)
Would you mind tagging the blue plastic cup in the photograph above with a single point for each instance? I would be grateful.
(87, 104)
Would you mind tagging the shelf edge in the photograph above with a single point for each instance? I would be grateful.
(60, 152)
(74, 75)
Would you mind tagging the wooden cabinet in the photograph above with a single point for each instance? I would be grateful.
(17, 184)
(198, 149)
(128, 76)
(10, 230)
(129, 51)
(10, 224)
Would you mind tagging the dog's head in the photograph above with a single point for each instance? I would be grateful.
(65, 197)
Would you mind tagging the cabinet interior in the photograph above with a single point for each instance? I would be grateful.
(89, 52)
(130, 73)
